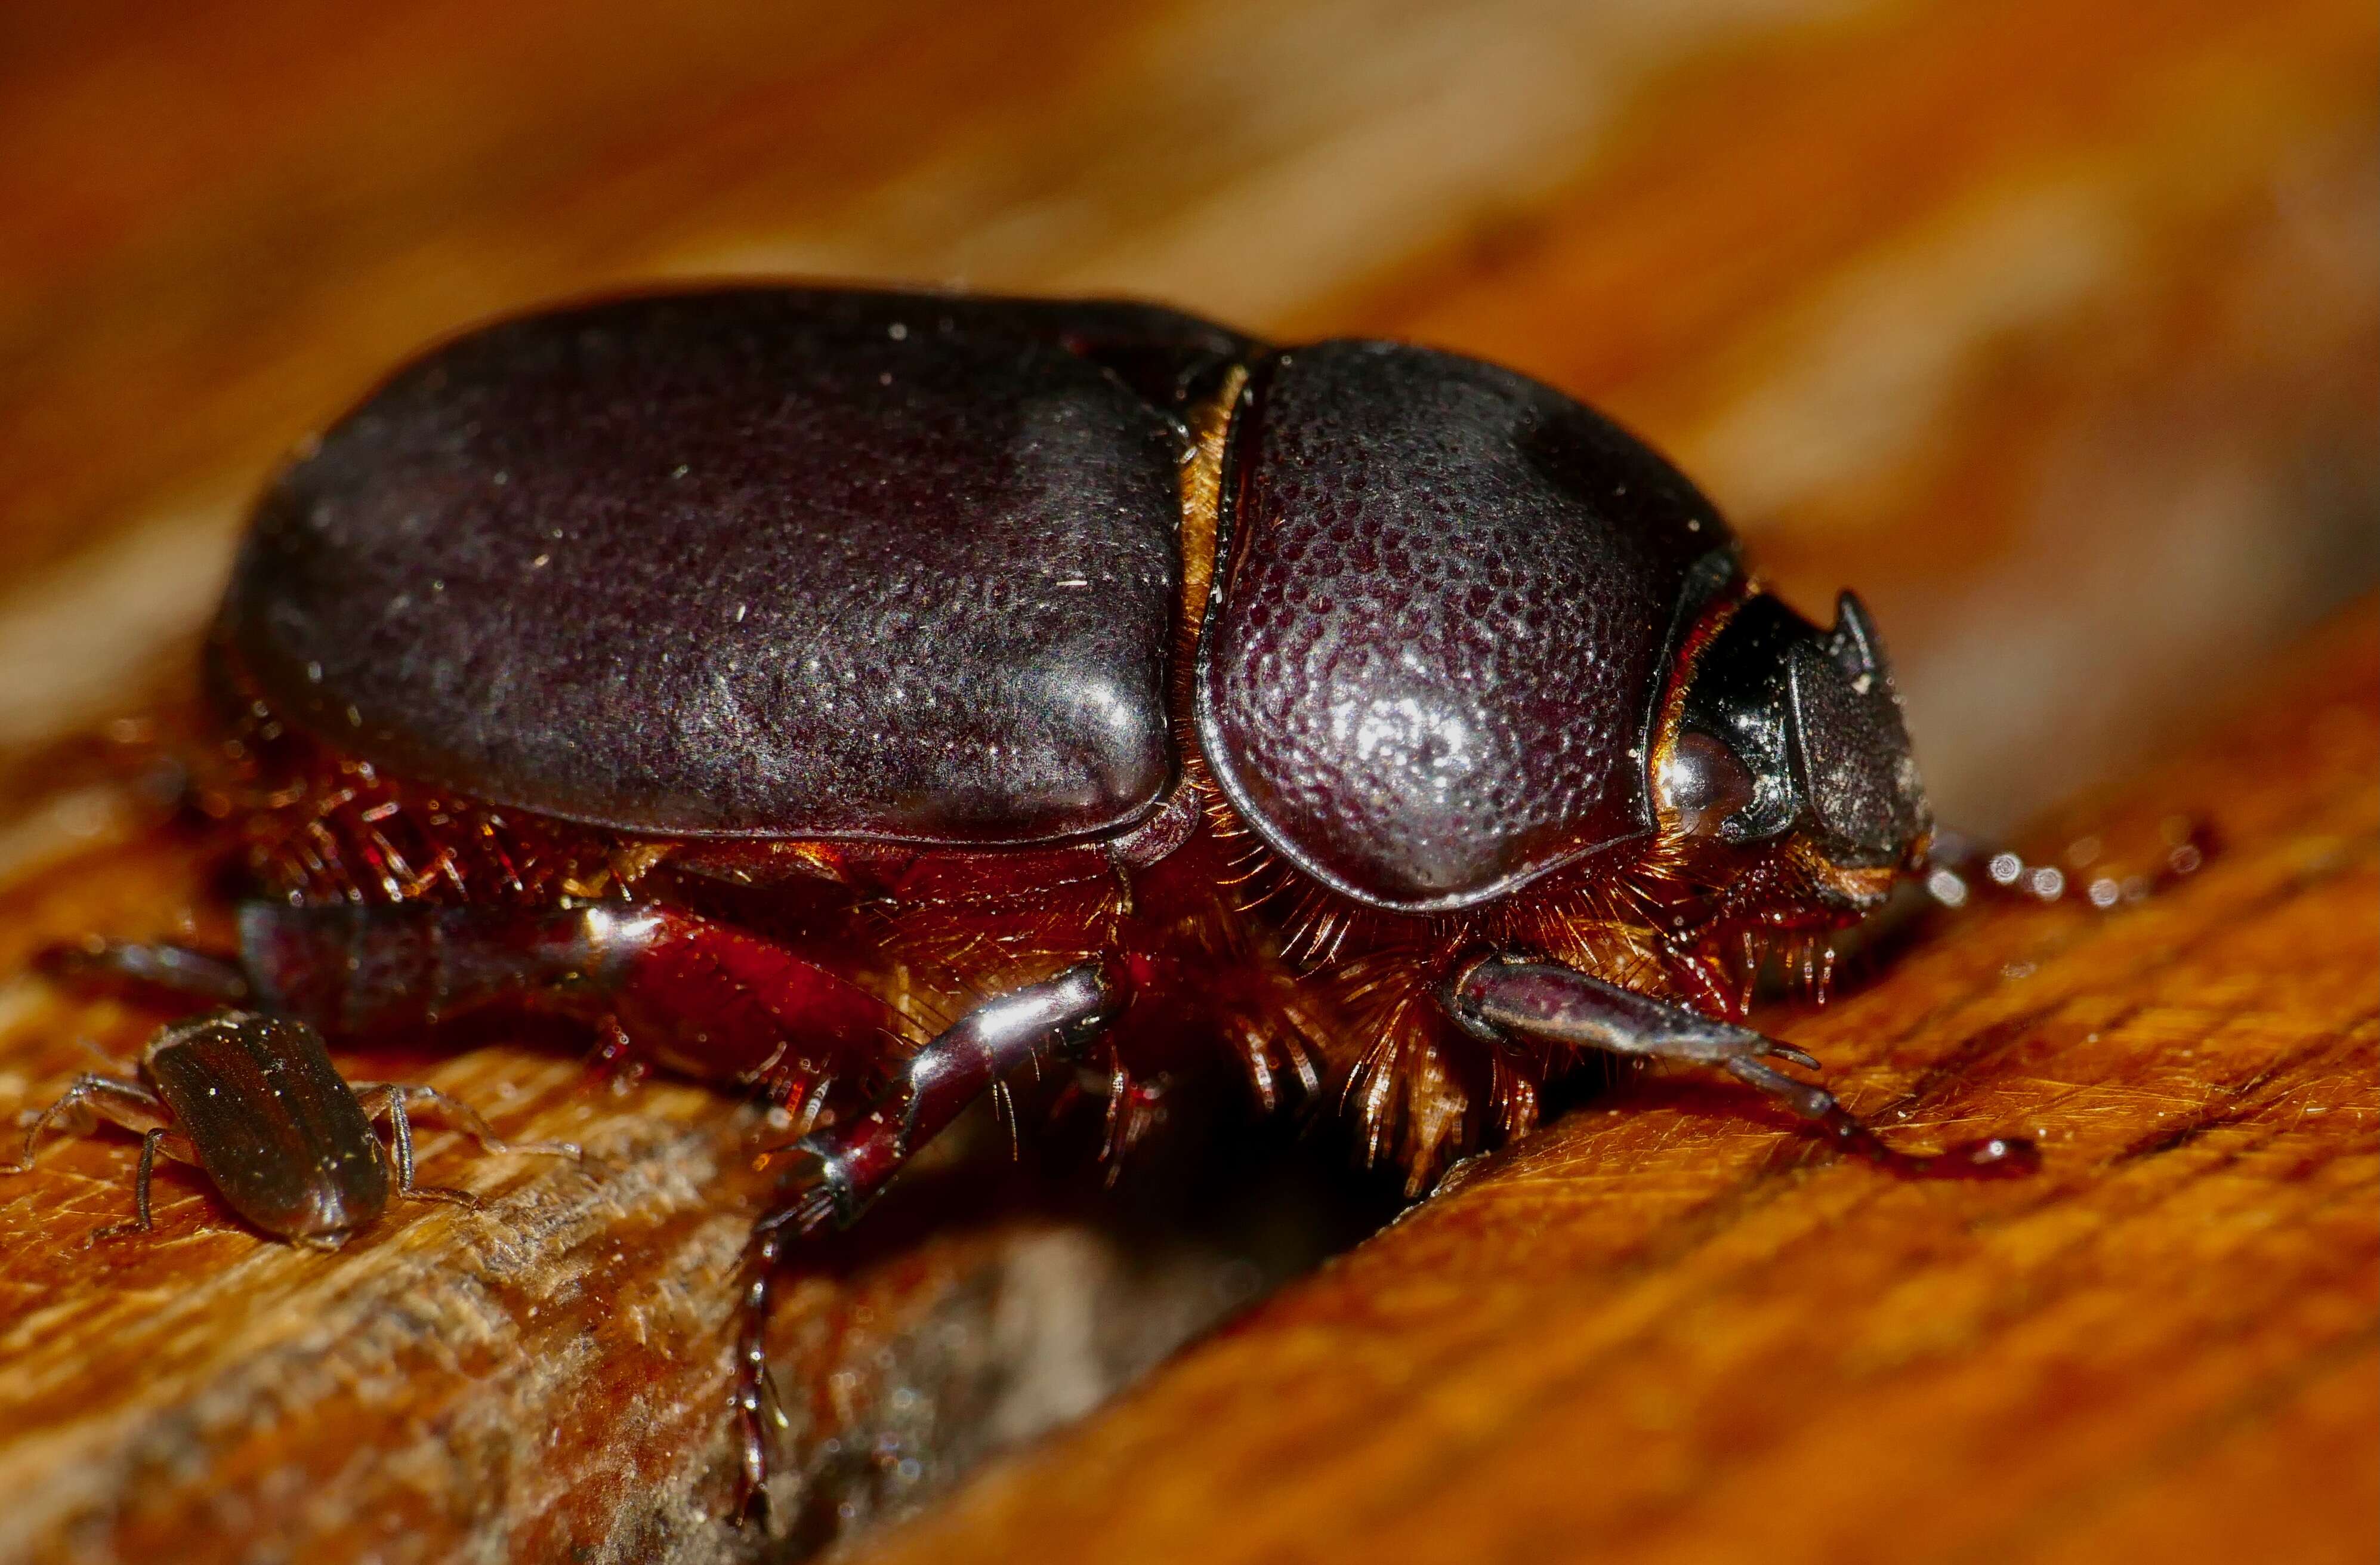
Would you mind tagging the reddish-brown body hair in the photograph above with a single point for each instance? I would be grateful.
(1235, 958)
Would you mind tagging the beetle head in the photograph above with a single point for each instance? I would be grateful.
(1786, 737)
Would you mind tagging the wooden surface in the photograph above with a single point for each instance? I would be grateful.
(2051, 324)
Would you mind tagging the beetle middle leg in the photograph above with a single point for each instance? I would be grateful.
(1561, 1004)
(691, 993)
(836, 1172)
(94, 1097)
(391, 1097)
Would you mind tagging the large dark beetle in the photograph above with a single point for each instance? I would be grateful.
(864, 694)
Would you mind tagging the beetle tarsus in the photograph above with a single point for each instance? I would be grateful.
(1990, 1156)
(752, 1395)
(445, 1195)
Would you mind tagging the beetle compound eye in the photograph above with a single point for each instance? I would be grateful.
(1701, 784)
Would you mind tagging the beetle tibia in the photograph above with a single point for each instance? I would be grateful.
(1564, 1005)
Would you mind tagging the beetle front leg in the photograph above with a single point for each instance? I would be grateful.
(92, 1097)
(123, 1103)
(838, 1172)
(1494, 999)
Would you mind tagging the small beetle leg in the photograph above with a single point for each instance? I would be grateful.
(143, 1219)
(836, 1172)
(385, 1098)
(391, 1099)
(1564, 1005)
(121, 1102)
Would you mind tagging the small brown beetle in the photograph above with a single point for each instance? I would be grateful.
(255, 1102)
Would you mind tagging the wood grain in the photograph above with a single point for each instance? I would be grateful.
(2050, 323)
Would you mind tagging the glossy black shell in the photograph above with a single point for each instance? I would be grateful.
(820, 562)
(753, 562)
(275, 1127)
